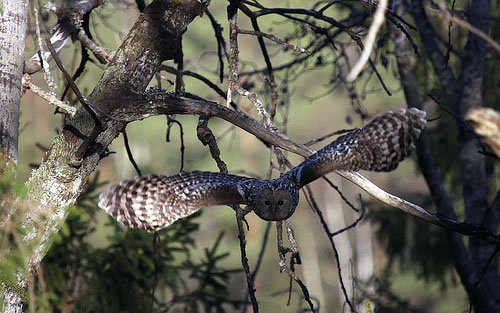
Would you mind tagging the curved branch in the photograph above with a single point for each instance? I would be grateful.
(157, 102)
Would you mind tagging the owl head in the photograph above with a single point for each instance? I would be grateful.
(277, 200)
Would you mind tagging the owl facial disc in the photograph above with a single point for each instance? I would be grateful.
(274, 204)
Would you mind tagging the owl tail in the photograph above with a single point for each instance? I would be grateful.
(379, 146)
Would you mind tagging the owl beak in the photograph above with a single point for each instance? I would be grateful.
(273, 213)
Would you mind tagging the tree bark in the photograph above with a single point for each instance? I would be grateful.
(12, 34)
(461, 95)
(61, 177)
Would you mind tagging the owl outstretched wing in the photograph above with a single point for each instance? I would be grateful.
(154, 202)
(378, 146)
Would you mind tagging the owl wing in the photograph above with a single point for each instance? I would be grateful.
(154, 202)
(379, 146)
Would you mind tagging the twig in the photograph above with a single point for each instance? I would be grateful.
(45, 64)
(316, 208)
(202, 78)
(171, 121)
(378, 20)
(445, 14)
(129, 153)
(233, 57)
(260, 258)
(338, 132)
(258, 105)
(267, 60)
(61, 33)
(179, 59)
(156, 242)
(275, 39)
(51, 98)
(98, 127)
(244, 262)
(329, 182)
(483, 272)
(206, 137)
(102, 54)
(221, 43)
(355, 223)
(73, 86)
(290, 270)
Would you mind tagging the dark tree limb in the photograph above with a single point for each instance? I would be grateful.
(469, 262)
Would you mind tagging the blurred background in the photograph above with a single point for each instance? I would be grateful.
(377, 257)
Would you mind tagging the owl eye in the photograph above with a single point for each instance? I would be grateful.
(267, 202)
(280, 202)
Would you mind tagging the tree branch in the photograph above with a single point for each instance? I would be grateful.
(158, 102)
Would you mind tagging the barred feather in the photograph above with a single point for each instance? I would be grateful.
(154, 202)
(379, 146)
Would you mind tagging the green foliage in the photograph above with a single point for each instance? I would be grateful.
(13, 250)
(120, 275)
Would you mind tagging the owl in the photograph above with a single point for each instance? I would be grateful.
(154, 201)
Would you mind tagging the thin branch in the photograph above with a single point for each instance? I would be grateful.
(282, 251)
(73, 86)
(221, 43)
(45, 64)
(202, 78)
(61, 33)
(275, 39)
(324, 137)
(129, 153)
(356, 222)
(206, 136)
(170, 122)
(158, 102)
(244, 262)
(102, 54)
(446, 15)
(51, 98)
(233, 57)
(326, 228)
(98, 127)
(260, 259)
(378, 21)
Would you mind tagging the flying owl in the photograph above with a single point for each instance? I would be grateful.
(154, 202)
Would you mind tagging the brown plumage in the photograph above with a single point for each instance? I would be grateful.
(154, 202)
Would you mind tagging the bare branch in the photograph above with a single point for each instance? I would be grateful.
(378, 21)
(275, 39)
(159, 103)
(51, 98)
(446, 15)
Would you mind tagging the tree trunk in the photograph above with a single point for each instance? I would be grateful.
(12, 34)
(61, 176)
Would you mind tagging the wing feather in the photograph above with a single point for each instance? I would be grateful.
(154, 202)
(379, 146)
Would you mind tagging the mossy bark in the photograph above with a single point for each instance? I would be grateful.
(61, 177)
